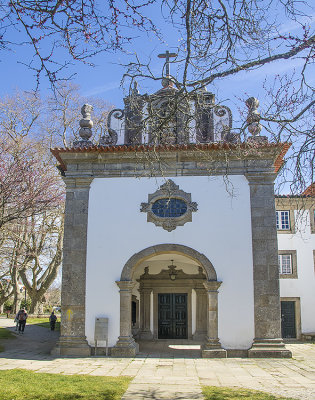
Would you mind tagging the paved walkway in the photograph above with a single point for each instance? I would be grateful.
(161, 377)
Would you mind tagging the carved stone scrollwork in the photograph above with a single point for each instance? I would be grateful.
(110, 139)
(165, 274)
(219, 111)
(169, 225)
(145, 207)
(169, 207)
(222, 120)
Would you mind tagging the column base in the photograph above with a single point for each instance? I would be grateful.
(213, 353)
(212, 349)
(199, 336)
(125, 347)
(269, 348)
(145, 335)
(71, 346)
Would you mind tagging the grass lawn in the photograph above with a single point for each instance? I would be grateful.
(223, 393)
(18, 384)
(5, 334)
(44, 322)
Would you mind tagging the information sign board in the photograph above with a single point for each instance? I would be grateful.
(101, 332)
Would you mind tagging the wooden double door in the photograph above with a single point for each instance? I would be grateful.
(172, 316)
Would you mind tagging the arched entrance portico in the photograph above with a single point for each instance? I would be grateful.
(206, 283)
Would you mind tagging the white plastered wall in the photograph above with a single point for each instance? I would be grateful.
(304, 286)
(220, 229)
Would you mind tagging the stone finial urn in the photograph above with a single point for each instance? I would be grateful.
(86, 123)
(253, 117)
(253, 121)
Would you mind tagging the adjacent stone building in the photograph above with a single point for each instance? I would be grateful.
(170, 230)
(296, 244)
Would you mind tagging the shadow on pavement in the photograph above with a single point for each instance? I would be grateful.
(35, 344)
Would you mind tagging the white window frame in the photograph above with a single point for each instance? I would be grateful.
(283, 266)
(283, 224)
(284, 274)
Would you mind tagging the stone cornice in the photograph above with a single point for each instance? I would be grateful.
(171, 160)
(200, 160)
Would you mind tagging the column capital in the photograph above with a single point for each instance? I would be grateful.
(200, 289)
(125, 285)
(260, 179)
(82, 182)
(212, 286)
(145, 290)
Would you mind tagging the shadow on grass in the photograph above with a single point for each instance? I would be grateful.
(43, 322)
(223, 393)
(5, 334)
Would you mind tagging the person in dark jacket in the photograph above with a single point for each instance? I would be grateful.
(52, 321)
(16, 320)
(22, 317)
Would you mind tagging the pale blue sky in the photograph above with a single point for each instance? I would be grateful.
(104, 79)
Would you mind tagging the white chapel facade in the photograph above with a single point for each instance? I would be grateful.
(165, 237)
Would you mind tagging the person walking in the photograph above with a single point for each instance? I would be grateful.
(16, 320)
(52, 321)
(22, 317)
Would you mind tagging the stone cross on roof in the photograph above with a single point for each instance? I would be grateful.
(167, 55)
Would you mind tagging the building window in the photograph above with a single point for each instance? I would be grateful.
(287, 264)
(283, 220)
(169, 208)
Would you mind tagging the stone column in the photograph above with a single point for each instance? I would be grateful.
(201, 311)
(145, 311)
(268, 341)
(72, 339)
(212, 347)
(125, 346)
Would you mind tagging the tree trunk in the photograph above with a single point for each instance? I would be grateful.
(17, 302)
(36, 305)
(38, 309)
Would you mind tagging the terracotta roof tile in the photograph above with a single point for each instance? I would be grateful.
(310, 190)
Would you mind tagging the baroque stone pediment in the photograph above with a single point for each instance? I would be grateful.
(166, 273)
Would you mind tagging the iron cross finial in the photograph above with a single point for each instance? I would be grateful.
(167, 55)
